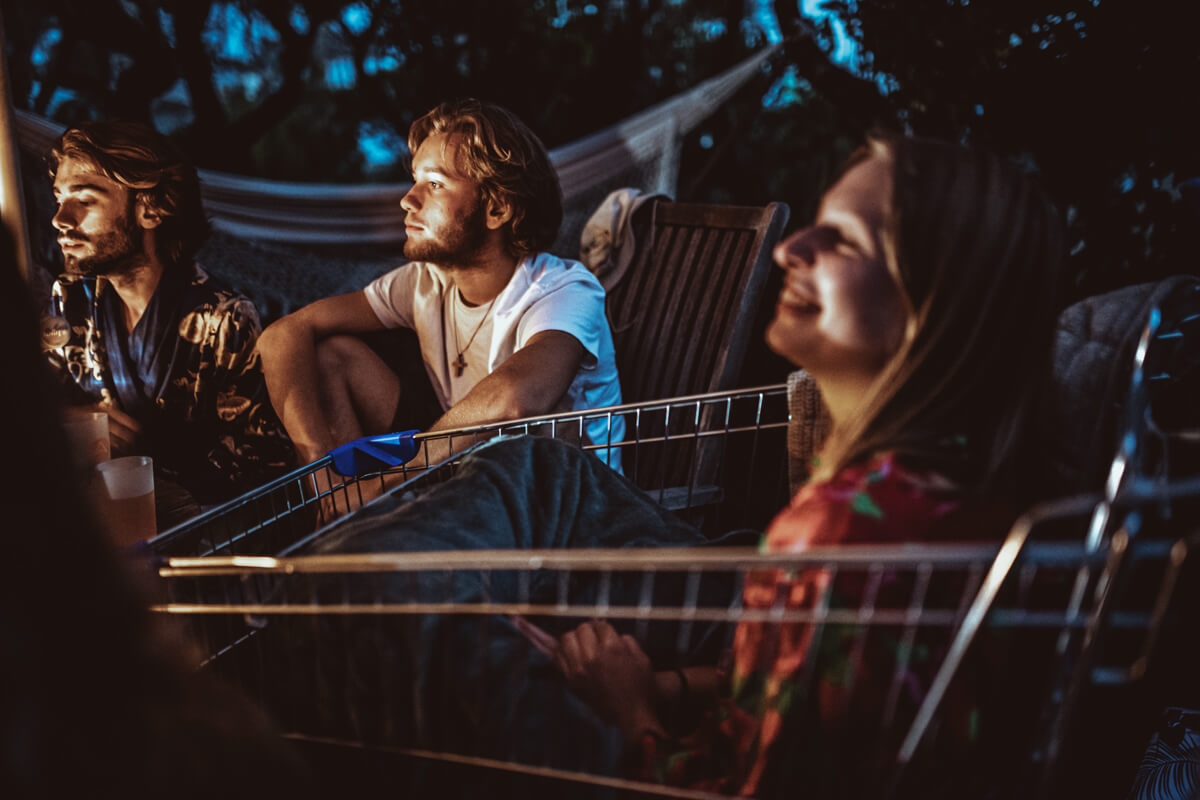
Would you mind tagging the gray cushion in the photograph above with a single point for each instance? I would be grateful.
(1082, 409)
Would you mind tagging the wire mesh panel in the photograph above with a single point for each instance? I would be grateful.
(429, 659)
(689, 453)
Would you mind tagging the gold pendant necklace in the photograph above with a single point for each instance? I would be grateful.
(460, 363)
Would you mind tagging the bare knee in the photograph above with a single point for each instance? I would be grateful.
(272, 342)
(341, 356)
(351, 372)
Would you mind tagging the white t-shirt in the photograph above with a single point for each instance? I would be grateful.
(546, 293)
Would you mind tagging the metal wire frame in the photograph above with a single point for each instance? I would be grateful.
(674, 449)
(1139, 492)
(994, 590)
(1114, 558)
(998, 580)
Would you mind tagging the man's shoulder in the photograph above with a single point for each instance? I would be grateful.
(211, 295)
(548, 271)
(552, 293)
(550, 264)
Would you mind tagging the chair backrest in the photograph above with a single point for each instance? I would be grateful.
(1080, 420)
(1141, 361)
(682, 313)
(1161, 412)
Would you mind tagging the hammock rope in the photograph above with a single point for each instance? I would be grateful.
(645, 145)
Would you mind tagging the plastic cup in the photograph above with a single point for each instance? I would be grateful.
(87, 437)
(127, 498)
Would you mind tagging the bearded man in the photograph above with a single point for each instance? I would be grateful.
(164, 349)
(506, 330)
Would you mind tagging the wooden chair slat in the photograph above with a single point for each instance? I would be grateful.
(683, 313)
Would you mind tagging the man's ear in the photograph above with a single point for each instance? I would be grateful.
(499, 213)
(147, 218)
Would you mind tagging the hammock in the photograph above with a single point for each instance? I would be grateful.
(642, 151)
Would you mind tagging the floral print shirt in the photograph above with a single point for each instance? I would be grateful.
(188, 373)
(741, 747)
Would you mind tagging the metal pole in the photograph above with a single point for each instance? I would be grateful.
(12, 198)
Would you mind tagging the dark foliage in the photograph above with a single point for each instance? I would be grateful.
(1088, 93)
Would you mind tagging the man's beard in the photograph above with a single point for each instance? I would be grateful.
(114, 253)
(453, 246)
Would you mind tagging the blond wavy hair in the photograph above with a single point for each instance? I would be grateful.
(508, 161)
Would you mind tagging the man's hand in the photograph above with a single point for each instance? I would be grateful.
(614, 675)
(123, 430)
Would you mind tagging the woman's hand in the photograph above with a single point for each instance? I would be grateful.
(614, 675)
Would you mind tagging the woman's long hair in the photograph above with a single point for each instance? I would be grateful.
(976, 248)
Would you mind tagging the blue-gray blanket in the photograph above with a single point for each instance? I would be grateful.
(471, 684)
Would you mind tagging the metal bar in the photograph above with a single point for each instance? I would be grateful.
(12, 195)
(1113, 572)
(678, 558)
(937, 618)
(1179, 552)
(966, 634)
(603, 413)
(641, 787)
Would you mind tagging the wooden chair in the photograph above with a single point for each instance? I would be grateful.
(682, 316)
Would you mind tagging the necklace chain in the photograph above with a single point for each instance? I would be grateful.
(460, 363)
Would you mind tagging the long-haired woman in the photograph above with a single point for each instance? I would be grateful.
(922, 300)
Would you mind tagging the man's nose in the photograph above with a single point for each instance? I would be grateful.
(410, 201)
(795, 251)
(65, 218)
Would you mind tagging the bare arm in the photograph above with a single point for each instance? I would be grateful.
(530, 382)
(288, 349)
(704, 684)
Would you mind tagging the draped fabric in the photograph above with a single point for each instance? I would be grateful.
(646, 144)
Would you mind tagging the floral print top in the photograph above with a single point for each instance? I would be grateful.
(188, 373)
(756, 740)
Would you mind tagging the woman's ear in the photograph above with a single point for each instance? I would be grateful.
(147, 218)
(499, 213)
